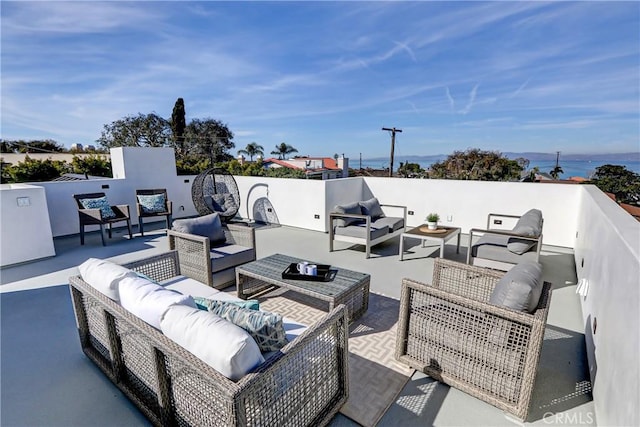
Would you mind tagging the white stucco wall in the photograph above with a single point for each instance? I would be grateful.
(607, 255)
(25, 229)
(133, 168)
(294, 202)
(468, 203)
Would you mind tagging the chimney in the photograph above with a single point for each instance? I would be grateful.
(343, 163)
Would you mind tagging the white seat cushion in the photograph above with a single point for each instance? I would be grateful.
(104, 276)
(222, 345)
(189, 286)
(148, 300)
(229, 256)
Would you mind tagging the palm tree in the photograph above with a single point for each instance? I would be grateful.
(252, 149)
(556, 171)
(283, 149)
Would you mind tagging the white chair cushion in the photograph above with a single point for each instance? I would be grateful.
(222, 345)
(104, 276)
(148, 300)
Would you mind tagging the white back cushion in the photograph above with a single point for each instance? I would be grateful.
(222, 345)
(104, 276)
(148, 300)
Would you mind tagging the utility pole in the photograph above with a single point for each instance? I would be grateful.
(393, 144)
(557, 158)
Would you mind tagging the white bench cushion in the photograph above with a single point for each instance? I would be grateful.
(222, 345)
(104, 276)
(149, 301)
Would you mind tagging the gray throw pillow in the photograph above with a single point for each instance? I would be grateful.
(520, 288)
(372, 208)
(351, 208)
(529, 224)
(206, 226)
(224, 204)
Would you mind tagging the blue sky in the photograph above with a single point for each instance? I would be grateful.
(325, 77)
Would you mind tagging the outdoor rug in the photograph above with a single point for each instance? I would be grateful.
(375, 377)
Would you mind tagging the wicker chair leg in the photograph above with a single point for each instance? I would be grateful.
(140, 223)
(82, 234)
(104, 243)
(129, 227)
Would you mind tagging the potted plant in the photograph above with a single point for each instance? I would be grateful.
(432, 221)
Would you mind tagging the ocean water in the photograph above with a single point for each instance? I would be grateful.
(581, 168)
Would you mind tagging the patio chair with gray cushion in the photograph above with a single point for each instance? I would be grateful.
(153, 203)
(210, 250)
(502, 249)
(477, 329)
(365, 223)
(94, 209)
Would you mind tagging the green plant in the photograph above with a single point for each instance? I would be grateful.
(433, 217)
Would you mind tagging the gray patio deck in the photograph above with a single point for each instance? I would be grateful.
(45, 379)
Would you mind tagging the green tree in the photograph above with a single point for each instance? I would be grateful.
(143, 130)
(93, 164)
(620, 181)
(476, 164)
(7, 146)
(210, 138)
(282, 150)
(410, 170)
(252, 149)
(178, 126)
(34, 170)
(33, 146)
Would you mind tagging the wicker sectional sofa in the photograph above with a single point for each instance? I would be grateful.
(303, 384)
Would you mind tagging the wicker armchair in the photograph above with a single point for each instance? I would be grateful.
(449, 331)
(214, 265)
(96, 216)
(145, 213)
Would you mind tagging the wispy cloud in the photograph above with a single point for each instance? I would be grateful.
(472, 100)
(452, 103)
(287, 70)
(520, 89)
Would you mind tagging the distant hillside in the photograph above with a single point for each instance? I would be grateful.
(606, 157)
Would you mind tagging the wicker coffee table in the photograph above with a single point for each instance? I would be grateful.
(440, 235)
(346, 287)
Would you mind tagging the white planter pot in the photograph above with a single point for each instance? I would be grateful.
(432, 225)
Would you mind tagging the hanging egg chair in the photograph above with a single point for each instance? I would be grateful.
(215, 190)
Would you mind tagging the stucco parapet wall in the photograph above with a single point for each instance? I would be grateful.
(25, 227)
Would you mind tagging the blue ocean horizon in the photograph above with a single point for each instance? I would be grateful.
(578, 168)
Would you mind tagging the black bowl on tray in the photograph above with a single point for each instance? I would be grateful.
(325, 273)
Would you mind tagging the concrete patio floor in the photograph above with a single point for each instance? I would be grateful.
(45, 379)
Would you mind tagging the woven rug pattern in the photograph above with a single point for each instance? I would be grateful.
(375, 377)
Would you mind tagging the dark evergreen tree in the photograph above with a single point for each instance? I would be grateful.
(178, 126)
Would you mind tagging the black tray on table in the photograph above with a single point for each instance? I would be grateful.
(325, 273)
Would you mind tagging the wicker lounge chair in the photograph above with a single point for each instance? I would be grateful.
(145, 211)
(451, 332)
(303, 384)
(214, 263)
(96, 216)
